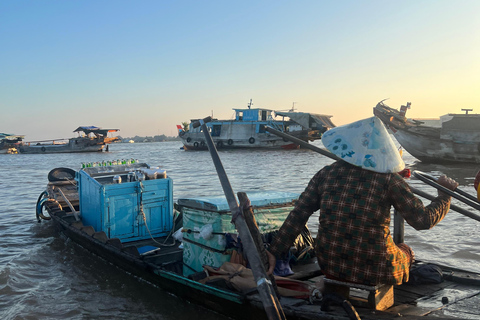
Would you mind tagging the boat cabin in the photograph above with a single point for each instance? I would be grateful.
(253, 114)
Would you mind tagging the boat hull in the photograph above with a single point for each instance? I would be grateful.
(433, 150)
(246, 139)
(456, 140)
(90, 139)
(60, 148)
(209, 297)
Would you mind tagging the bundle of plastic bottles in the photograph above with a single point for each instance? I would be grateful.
(108, 163)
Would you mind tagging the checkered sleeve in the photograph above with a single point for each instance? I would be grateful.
(307, 204)
(412, 209)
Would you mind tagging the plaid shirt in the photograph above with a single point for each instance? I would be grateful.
(353, 241)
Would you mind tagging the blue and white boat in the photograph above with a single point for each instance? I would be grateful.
(247, 130)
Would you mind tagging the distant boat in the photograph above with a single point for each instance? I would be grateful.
(450, 138)
(131, 141)
(90, 139)
(9, 143)
(247, 130)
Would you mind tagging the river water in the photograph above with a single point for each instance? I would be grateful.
(44, 276)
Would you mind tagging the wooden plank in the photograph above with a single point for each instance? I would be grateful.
(402, 297)
(423, 289)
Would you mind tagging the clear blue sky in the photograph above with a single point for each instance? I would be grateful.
(145, 66)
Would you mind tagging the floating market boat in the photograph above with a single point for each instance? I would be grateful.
(9, 143)
(247, 130)
(90, 139)
(125, 215)
(451, 138)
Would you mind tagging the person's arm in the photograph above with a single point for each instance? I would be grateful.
(306, 205)
(412, 209)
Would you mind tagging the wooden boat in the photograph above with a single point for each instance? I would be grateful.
(247, 130)
(90, 139)
(9, 143)
(451, 138)
(130, 225)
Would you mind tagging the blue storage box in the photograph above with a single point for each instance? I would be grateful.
(119, 209)
(207, 220)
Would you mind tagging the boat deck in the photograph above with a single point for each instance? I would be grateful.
(457, 297)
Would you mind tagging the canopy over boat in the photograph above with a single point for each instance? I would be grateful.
(95, 130)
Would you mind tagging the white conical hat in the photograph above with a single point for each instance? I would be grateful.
(365, 143)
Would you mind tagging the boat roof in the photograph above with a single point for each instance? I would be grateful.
(303, 118)
(245, 109)
(89, 129)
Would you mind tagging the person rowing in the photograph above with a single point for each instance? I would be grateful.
(355, 196)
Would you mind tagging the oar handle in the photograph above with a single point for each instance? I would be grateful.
(462, 196)
(452, 206)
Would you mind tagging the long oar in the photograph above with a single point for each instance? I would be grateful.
(270, 302)
(452, 206)
(428, 179)
(332, 156)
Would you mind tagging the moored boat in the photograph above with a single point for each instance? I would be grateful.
(89, 139)
(125, 215)
(247, 130)
(451, 138)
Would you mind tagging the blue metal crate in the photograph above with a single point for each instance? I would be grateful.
(116, 208)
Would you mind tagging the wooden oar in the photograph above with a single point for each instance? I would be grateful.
(332, 156)
(273, 308)
(252, 225)
(302, 143)
(428, 179)
(452, 206)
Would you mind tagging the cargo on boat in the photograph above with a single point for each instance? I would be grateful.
(451, 138)
(125, 215)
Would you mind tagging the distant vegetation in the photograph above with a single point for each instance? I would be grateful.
(160, 138)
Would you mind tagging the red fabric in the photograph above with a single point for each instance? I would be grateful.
(405, 173)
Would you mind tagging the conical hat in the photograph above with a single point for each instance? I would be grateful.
(365, 143)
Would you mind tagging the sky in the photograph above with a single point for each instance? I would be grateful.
(145, 66)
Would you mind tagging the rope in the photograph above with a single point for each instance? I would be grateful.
(164, 244)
